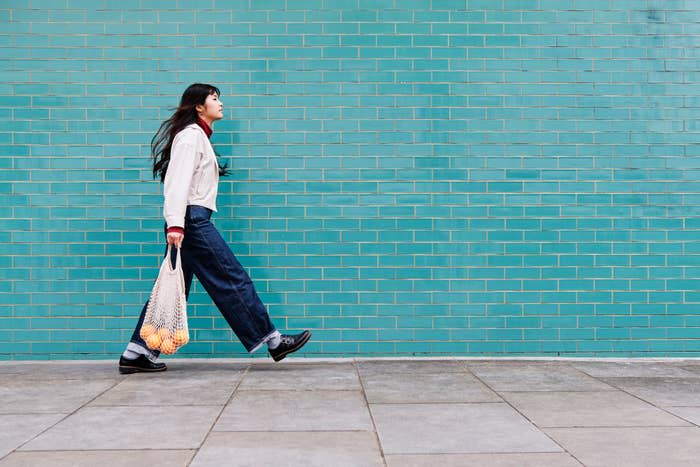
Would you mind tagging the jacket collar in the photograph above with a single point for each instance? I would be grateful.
(198, 128)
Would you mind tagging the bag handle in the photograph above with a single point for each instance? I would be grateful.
(178, 260)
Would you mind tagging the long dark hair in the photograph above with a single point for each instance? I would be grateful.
(185, 114)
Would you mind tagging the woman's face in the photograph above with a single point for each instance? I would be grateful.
(212, 109)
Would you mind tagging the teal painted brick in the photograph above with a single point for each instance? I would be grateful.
(377, 348)
(406, 178)
(486, 347)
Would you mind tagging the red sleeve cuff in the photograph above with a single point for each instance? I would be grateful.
(177, 230)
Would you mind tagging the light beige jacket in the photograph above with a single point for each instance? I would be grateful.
(192, 176)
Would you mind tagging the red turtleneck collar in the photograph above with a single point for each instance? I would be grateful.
(207, 129)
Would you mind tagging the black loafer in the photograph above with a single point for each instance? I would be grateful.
(289, 344)
(136, 365)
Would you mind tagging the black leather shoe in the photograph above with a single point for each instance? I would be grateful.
(136, 365)
(289, 344)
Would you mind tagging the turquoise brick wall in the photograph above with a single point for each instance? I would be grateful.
(410, 177)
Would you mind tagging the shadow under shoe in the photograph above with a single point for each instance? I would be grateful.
(289, 344)
(140, 364)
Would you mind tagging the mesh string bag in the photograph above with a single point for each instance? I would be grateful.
(165, 324)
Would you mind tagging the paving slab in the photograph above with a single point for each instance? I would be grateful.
(581, 409)
(23, 396)
(691, 367)
(425, 387)
(20, 428)
(368, 367)
(319, 376)
(197, 388)
(295, 411)
(525, 376)
(661, 391)
(635, 369)
(631, 447)
(201, 365)
(149, 427)
(121, 458)
(481, 460)
(307, 449)
(691, 414)
(456, 428)
(61, 370)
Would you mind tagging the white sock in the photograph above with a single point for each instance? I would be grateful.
(134, 350)
(274, 340)
(130, 354)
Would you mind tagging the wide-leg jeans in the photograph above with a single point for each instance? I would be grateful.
(206, 254)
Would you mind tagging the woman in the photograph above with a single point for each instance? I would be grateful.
(188, 167)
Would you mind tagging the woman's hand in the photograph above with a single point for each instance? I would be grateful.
(175, 238)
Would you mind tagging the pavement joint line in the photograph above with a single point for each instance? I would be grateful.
(116, 383)
(532, 422)
(290, 361)
(638, 397)
(371, 415)
(211, 427)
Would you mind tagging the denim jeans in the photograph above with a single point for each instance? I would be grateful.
(205, 253)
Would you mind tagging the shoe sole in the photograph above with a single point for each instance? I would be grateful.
(293, 349)
(127, 370)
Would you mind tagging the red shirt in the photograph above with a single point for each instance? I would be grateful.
(207, 129)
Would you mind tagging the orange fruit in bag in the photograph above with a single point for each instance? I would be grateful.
(168, 347)
(164, 333)
(146, 330)
(153, 341)
(181, 337)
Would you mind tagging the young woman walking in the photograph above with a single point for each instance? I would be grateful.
(188, 167)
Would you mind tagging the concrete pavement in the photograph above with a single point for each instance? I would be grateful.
(352, 412)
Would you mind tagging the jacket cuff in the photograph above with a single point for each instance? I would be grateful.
(176, 229)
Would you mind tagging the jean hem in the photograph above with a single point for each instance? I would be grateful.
(140, 349)
(262, 341)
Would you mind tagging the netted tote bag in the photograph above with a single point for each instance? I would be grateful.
(165, 324)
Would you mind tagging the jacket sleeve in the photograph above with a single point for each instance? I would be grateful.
(178, 177)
